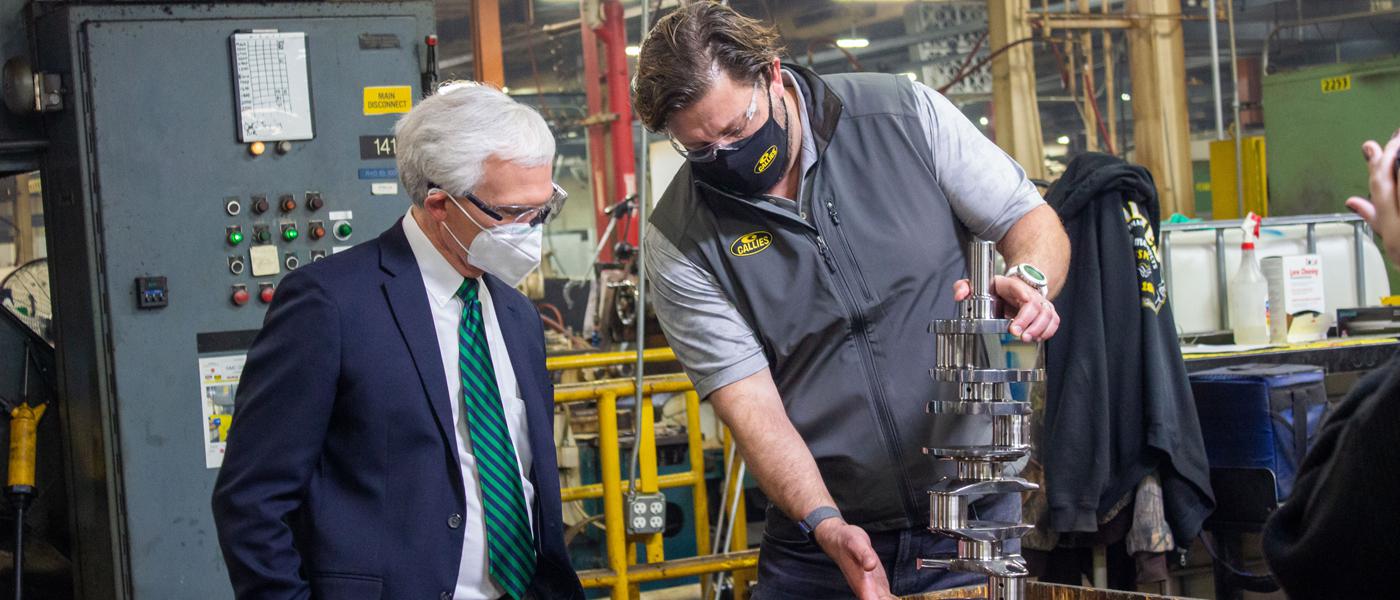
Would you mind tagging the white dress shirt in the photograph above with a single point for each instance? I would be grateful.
(441, 281)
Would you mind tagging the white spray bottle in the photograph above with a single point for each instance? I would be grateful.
(1249, 292)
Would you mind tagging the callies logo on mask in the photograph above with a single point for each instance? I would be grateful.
(751, 244)
(766, 160)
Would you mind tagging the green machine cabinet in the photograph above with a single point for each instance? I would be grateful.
(1315, 120)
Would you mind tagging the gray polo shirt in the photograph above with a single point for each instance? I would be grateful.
(987, 190)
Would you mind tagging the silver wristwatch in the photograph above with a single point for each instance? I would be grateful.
(1032, 276)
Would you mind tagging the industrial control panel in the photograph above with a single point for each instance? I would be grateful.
(203, 152)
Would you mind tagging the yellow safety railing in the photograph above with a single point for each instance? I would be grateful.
(623, 572)
(607, 359)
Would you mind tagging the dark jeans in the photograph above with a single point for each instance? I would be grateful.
(791, 567)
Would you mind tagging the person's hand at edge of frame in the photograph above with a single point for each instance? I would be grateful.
(1382, 210)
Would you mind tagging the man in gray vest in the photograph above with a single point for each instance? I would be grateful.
(796, 262)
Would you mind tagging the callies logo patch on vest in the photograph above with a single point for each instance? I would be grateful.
(766, 160)
(751, 243)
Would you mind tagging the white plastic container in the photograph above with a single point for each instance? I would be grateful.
(1190, 259)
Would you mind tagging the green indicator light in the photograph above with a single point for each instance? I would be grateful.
(235, 238)
(289, 234)
(343, 230)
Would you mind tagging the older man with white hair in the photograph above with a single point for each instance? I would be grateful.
(394, 434)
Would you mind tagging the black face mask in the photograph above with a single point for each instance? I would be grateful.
(755, 166)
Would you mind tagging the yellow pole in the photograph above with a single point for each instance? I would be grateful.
(605, 359)
(697, 491)
(612, 493)
(697, 469)
(647, 459)
(633, 591)
(595, 490)
(1110, 98)
(740, 539)
(1086, 45)
(1161, 129)
(674, 569)
(1015, 113)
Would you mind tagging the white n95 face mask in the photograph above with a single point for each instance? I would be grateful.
(509, 251)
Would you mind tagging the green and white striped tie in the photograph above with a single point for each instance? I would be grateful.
(509, 542)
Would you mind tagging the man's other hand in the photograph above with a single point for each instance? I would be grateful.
(1035, 318)
(1382, 211)
(850, 547)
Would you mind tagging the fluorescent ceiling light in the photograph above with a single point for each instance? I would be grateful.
(1062, 140)
(633, 50)
(852, 43)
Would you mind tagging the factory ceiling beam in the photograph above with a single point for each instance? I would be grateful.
(895, 44)
(486, 42)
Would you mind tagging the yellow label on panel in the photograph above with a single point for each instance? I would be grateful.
(388, 99)
(1340, 83)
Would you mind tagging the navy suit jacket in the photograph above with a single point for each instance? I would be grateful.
(341, 479)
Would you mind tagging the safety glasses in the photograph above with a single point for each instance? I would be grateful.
(529, 214)
(708, 153)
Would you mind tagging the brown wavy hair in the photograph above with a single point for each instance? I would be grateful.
(681, 56)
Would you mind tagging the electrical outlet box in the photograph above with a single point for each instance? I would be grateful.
(646, 514)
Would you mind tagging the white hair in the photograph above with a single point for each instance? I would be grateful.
(446, 139)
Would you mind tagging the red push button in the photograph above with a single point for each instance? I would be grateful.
(240, 296)
(265, 294)
(318, 232)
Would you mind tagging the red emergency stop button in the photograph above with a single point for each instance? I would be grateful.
(265, 293)
(240, 296)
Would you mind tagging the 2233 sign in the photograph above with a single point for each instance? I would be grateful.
(1336, 84)
(378, 146)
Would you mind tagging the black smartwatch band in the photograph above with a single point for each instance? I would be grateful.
(814, 518)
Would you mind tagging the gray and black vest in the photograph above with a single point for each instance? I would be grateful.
(841, 297)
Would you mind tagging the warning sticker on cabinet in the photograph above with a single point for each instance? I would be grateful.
(390, 99)
(218, 378)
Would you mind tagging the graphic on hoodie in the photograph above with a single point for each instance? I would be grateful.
(1152, 289)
